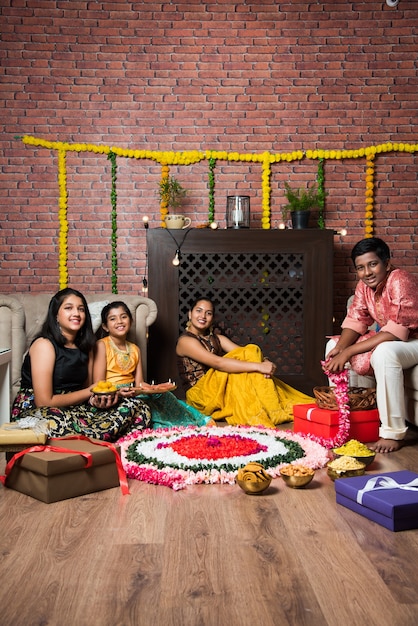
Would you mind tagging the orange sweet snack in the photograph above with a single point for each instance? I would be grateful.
(104, 386)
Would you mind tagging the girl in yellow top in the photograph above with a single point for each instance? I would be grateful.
(118, 361)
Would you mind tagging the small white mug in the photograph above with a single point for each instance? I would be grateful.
(177, 221)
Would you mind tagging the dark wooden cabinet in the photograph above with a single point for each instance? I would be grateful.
(270, 287)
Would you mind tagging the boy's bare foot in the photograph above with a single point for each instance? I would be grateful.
(386, 445)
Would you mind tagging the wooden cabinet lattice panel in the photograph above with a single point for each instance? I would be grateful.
(257, 296)
(272, 288)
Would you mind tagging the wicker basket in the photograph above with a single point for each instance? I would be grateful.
(361, 398)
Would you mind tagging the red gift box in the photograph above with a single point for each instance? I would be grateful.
(311, 420)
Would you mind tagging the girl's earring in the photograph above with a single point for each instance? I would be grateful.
(188, 324)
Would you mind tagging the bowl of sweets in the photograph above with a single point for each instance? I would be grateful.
(345, 467)
(296, 476)
(253, 479)
(104, 388)
(356, 450)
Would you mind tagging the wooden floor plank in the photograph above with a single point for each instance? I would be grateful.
(206, 555)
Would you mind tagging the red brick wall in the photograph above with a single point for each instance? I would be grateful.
(247, 76)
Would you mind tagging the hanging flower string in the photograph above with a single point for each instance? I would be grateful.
(165, 173)
(167, 158)
(368, 218)
(211, 185)
(63, 220)
(320, 179)
(113, 199)
(340, 382)
(266, 189)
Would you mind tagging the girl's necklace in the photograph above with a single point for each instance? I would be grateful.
(122, 356)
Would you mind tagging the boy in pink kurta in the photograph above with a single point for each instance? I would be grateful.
(388, 297)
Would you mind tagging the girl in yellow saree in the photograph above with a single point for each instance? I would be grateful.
(229, 382)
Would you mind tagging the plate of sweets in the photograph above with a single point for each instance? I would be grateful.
(345, 467)
(356, 450)
(149, 389)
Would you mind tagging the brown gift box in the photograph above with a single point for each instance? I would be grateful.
(53, 476)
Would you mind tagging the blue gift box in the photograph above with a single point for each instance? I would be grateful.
(390, 499)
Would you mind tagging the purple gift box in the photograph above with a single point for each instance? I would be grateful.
(390, 499)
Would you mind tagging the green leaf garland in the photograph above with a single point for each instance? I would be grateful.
(113, 199)
(320, 179)
(211, 178)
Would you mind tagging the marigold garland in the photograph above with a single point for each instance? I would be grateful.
(165, 173)
(167, 158)
(63, 221)
(368, 218)
(266, 190)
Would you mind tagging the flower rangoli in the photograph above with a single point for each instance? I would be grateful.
(182, 456)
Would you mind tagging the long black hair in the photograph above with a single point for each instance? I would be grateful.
(85, 338)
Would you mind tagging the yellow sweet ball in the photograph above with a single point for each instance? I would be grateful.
(104, 386)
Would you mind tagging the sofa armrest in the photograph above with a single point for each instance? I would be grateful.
(12, 335)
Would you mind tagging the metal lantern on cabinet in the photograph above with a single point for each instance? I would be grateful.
(238, 212)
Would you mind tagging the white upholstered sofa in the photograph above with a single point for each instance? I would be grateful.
(411, 390)
(22, 315)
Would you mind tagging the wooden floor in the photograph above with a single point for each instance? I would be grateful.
(206, 555)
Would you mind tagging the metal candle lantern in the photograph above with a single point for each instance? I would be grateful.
(238, 212)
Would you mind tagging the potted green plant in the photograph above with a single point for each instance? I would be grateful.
(300, 203)
(171, 192)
